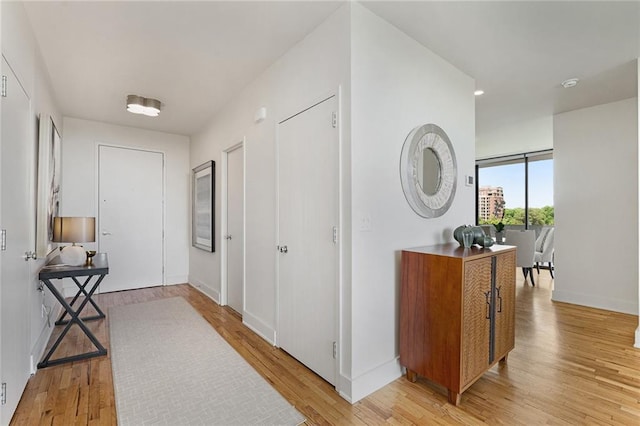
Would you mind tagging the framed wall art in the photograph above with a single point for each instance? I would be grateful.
(48, 194)
(202, 206)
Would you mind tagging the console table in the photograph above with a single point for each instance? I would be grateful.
(96, 271)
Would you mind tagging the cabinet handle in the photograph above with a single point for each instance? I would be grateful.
(487, 296)
(499, 299)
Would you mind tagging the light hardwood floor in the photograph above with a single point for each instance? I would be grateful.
(571, 365)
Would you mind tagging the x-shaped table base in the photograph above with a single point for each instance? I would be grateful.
(98, 270)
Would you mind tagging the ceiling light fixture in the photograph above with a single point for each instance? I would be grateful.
(140, 105)
(570, 83)
(478, 92)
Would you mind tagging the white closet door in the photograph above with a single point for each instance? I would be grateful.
(15, 166)
(308, 258)
(131, 217)
(235, 223)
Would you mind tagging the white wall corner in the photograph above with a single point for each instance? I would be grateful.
(259, 327)
(344, 388)
(371, 381)
(176, 279)
(637, 344)
(199, 285)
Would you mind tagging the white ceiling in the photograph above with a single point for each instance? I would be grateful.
(194, 56)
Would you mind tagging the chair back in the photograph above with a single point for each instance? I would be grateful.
(486, 229)
(525, 241)
(545, 239)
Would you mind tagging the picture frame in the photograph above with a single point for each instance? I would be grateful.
(202, 206)
(48, 186)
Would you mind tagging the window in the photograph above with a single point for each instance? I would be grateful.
(516, 190)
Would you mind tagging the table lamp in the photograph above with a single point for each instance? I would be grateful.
(74, 230)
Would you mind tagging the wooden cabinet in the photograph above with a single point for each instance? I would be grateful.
(457, 313)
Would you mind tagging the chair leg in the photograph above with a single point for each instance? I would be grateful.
(533, 283)
(538, 267)
(551, 269)
(524, 272)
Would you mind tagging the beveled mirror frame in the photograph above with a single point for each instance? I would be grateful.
(428, 136)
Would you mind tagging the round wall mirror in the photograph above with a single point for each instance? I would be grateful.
(428, 171)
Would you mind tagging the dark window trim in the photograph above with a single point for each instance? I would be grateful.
(525, 158)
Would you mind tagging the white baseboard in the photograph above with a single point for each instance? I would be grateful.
(175, 279)
(259, 327)
(596, 301)
(37, 351)
(353, 390)
(637, 344)
(199, 285)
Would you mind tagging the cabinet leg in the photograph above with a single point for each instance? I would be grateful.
(453, 397)
(504, 359)
(411, 376)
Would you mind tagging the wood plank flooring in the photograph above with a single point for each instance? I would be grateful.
(571, 366)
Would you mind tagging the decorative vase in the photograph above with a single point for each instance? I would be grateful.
(499, 237)
(468, 237)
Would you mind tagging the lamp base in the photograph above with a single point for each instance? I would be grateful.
(73, 255)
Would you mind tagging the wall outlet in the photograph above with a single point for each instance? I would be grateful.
(468, 180)
(365, 223)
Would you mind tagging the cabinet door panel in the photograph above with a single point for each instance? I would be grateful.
(476, 321)
(505, 304)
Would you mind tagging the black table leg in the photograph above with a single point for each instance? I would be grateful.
(82, 290)
(75, 319)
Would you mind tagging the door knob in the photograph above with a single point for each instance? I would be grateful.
(106, 233)
(227, 237)
(283, 249)
(30, 255)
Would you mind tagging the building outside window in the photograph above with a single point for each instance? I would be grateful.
(516, 190)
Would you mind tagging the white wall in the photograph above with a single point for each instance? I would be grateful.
(637, 340)
(79, 183)
(596, 206)
(397, 84)
(526, 136)
(22, 53)
(317, 66)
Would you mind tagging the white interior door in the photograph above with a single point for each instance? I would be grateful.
(308, 258)
(15, 166)
(131, 217)
(234, 236)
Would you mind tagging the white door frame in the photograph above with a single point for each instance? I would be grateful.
(97, 146)
(338, 320)
(224, 291)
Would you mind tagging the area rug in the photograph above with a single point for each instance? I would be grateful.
(170, 367)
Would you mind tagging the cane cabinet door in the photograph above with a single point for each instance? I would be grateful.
(476, 319)
(505, 304)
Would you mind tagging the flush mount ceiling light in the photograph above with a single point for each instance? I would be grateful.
(478, 92)
(570, 83)
(147, 106)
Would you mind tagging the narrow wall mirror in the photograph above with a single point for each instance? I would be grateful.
(428, 171)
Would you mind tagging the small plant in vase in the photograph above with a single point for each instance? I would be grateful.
(499, 232)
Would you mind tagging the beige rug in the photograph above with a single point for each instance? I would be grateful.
(170, 367)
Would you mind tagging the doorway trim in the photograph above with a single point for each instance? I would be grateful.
(224, 292)
(342, 382)
(97, 145)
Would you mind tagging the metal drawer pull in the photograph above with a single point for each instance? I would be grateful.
(487, 296)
